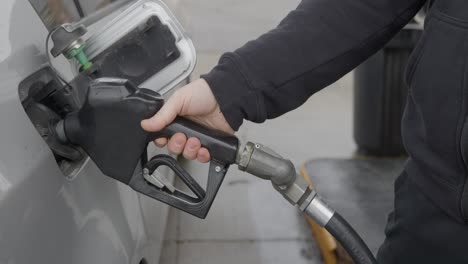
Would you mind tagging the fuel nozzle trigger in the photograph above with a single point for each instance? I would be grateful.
(108, 129)
(197, 203)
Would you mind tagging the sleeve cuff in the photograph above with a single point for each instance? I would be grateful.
(233, 92)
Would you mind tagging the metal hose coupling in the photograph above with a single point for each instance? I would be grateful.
(318, 210)
(266, 164)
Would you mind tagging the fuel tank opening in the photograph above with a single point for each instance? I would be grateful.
(46, 101)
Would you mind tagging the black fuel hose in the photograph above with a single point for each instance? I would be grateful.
(342, 231)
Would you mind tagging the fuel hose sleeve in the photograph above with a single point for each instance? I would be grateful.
(342, 231)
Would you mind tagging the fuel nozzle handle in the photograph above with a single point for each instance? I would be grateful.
(107, 127)
(223, 147)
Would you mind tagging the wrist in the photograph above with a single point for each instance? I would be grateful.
(236, 99)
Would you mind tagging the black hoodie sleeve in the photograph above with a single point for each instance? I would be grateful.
(314, 46)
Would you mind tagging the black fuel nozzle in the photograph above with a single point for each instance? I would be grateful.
(108, 128)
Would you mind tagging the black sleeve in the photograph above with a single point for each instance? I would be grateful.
(314, 46)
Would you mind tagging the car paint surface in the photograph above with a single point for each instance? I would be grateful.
(44, 216)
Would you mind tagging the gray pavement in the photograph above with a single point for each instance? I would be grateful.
(249, 222)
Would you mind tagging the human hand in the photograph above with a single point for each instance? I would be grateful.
(196, 102)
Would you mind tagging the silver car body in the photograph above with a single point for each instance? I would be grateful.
(46, 217)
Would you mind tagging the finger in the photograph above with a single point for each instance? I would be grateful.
(165, 115)
(176, 143)
(191, 148)
(203, 155)
(160, 142)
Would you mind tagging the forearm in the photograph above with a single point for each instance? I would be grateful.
(314, 45)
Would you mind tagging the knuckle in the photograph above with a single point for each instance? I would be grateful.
(193, 142)
(161, 118)
(160, 142)
(203, 155)
(174, 148)
(189, 154)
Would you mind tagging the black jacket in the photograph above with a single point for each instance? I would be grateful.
(313, 46)
(322, 40)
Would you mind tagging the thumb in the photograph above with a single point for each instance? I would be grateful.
(165, 115)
